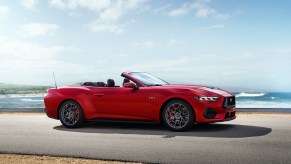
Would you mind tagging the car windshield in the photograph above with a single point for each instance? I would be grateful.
(148, 79)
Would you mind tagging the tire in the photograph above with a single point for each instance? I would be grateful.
(71, 114)
(178, 116)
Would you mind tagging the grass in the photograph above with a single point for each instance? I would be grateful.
(21, 89)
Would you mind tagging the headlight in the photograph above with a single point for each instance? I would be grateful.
(207, 98)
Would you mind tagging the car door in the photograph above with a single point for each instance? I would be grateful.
(120, 102)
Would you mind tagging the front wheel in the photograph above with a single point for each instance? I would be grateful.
(71, 114)
(178, 115)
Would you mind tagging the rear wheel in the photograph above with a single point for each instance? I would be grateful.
(178, 115)
(71, 114)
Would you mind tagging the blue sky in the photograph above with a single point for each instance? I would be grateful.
(214, 42)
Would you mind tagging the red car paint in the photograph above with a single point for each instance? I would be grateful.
(143, 103)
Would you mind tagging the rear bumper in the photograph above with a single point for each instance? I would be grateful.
(51, 106)
(50, 116)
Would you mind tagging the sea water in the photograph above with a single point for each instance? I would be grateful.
(22, 101)
(263, 100)
(243, 100)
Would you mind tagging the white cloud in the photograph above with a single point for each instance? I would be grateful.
(25, 62)
(281, 50)
(201, 9)
(212, 27)
(112, 13)
(144, 45)
(3, 12)
(172, 42)
(29, 4)
(109, 11)
(36, 29)
(148, 44)
(204, 12)
(17, 49)
(222, 16)
(105, 7)
(119, 8)
(168, 65)
(184, 9)
(103, 27)
(95, 5)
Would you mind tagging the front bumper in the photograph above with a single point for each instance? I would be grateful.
(207, 112)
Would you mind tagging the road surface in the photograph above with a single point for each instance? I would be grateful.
(244, 140)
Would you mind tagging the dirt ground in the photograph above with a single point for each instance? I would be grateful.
(29, 159)
(260, 115)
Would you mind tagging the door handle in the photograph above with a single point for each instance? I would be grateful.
(99, 94)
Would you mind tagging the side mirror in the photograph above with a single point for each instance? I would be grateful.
(130, 85)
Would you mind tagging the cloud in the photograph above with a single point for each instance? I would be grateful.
(36, 29)
(212, 27)
(95, 5)
(112, 13)
(162, 9)
(16, 49)
(100, 26)
(172, 42)
(222, 16)
(184, 9)
(25, 62)
(29, 4)
(144, 45)
(119, 8)
(201, 9)
(204, 12)
(3, 12)
(103, 27)
(106, 23)
(148, 44)
(168, 65)
(109, 12)
(107, 9)
(281, 50)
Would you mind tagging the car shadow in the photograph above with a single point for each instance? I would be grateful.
(199, 130)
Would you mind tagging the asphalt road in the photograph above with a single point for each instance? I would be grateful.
(244, 140)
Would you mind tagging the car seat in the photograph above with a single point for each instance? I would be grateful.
(110, 83)
(125, 81)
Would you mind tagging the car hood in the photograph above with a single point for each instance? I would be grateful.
(201, 90)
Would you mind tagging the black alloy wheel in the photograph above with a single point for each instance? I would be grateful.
(71, 114)
(178, 115)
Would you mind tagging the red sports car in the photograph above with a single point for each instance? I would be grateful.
(142, 97)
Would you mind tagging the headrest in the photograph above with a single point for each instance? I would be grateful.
(110, 83)
(100, 84)
(125, 81)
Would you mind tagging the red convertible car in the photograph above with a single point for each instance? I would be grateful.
(142, 97)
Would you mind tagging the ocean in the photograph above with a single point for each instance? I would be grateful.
(263, 100)
(21, 101)
(243, 100)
